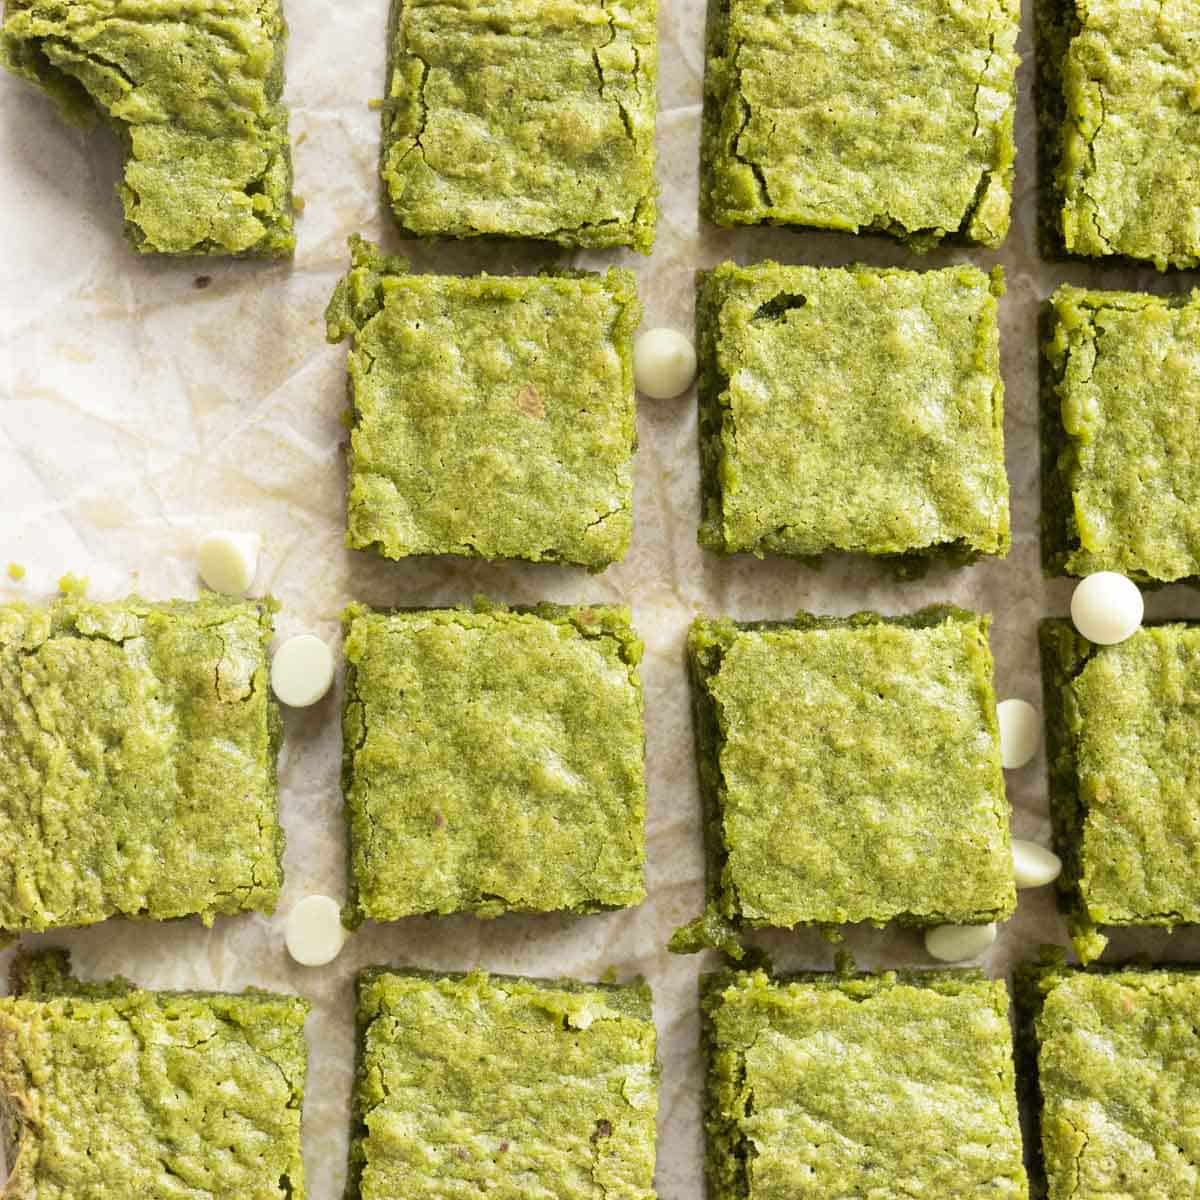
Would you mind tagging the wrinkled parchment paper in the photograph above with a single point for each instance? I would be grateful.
(141, 407)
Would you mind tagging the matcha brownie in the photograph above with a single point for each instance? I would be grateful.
(522, 118)
(491, 416)
(850, 771)
(865, 115)
(1121, 444)
(193, 91)
(886, 1086)
(487, 1084)
(137, 762)
(1123, 757)
(1119, 129)
(493, 761)
(106, 1090)
(1115, 1056)
(851, 410)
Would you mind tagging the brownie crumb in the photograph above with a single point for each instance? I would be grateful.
(603, 1130)
(201, 282)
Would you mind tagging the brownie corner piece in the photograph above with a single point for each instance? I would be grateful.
(828, 772)
(138, 746)
(531, 120)
(851, 410)
(492, 416)
(196, 92)
(828, 1086)
(865, 117)
(470, 736)
(95, 1104)
(1120, 724)
(524, 1084)
(1119, 130)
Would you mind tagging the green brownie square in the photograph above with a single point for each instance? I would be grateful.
(1122, 731)
(493, 761)
(137, 762)
(850, 771)
(471, 1085)
(866, 115)
(1121, 434)
(827, 1087)
(1115, 1055)
(492, 417)
(193, 90)
(1119, 129)
(851, 409)
(107, 1090)
(522, 119)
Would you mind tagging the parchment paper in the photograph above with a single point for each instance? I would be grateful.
(141, 408)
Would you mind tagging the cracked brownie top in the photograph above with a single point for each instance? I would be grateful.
(194, 91)
(493, 761)
(137, 762)
(523, 118)
(513, 1088)
(861, 115)
(492, 416)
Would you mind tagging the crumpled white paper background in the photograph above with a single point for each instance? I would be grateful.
(140, 409)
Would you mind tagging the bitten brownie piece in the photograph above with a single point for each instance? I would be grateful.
(194, 92)
(487, 1084)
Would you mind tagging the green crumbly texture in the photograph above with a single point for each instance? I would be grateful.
(861, 115)
(523, 118)
(511, 1088)
(106, 1090)
(1123, 755)
(193, 89)
(493, 417)
(493, 761)
(1118, 1070)
(137, 762)
(882, 1086)
(851, 409)
(850, 770)
(1121, 459)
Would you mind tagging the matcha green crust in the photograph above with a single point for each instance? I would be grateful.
(850, 771)
(887, 1086)
(854, 410)
(474, 1084)
(861, 116)
(492, 416)
(1123, 758)
(1114, 1056)
(106, 1090)
(1119, 120)
(493, 761)
(193, 90)
(524, 119)
(137, 762)
(1121, 456)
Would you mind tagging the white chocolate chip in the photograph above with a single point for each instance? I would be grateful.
(314, 932)
(956, 943)
(1033, 865)
(1020, 732)
(1106, 608)
(302, 670)
(228, 561)
(664, 363)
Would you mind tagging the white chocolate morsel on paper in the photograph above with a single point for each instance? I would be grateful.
(957, 943)
(314, 932)
(1034, 866)
(228, 561)
(302, 670)
(664, 363)
(1020, 732)
(1107, 608)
